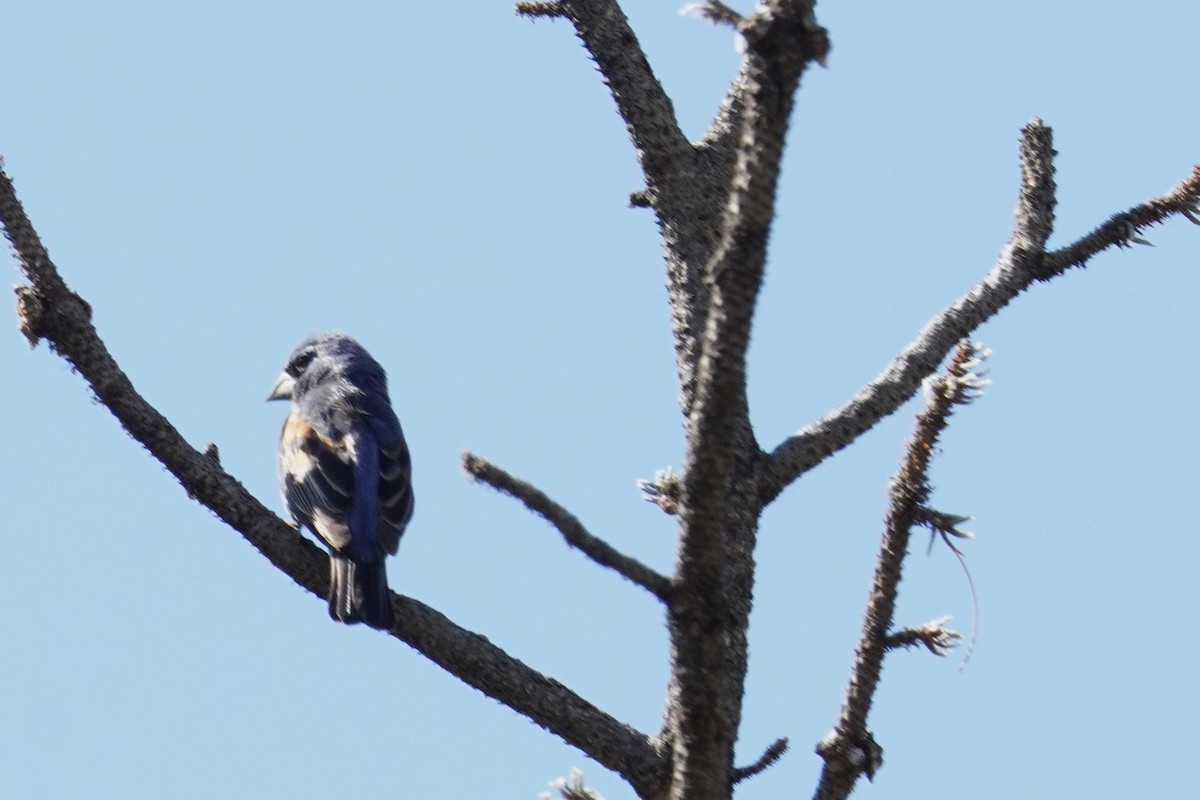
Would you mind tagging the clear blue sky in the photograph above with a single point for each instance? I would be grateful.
(448, 183)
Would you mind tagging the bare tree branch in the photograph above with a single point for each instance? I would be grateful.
(782, 39)
(1034, 217)
(933, 635)
(664, 491)
(1017, 268)
(51, 311)
(766, 760)
(568, 525)
(641, 101)
(718, 146)
(682, 186)
(479, 663)
(714, 11)
(685, 199)
(535, 10)
(714, 566)
(714, 223)
(850, 750)
(1122, 229)
(714, 202)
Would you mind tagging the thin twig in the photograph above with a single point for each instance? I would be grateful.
(572, 530)
(850, 750)
(535, 10)
(934, 636)
(572, 788)
(664, 491)
(768, 758)
(1122, 229)
(714, 11)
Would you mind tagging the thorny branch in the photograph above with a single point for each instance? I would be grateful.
(765, 761)
(1018, 267)
(934, 636)
(714, 202)
(709, 613)
(572, 530)
(685, 197)
(850, 750)
(572, 788)
(715, 12)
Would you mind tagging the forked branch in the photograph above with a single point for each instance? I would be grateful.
(1020, 265)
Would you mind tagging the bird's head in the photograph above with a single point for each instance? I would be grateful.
(327, 357)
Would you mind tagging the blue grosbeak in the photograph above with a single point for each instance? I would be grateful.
(344, 469)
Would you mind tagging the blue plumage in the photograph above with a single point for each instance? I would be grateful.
(344, 469)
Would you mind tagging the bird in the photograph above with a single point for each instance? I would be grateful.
(344, 469)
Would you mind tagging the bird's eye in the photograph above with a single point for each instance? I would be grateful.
(299, 364)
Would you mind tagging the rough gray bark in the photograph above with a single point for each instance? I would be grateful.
(714, 201)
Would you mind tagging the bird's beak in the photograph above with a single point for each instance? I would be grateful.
(282, 390)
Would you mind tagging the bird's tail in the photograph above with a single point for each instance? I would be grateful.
(359, 593)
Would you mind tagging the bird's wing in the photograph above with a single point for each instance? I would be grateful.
(395, 493)
(317, 472)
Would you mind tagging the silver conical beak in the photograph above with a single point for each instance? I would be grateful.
(282, 390)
